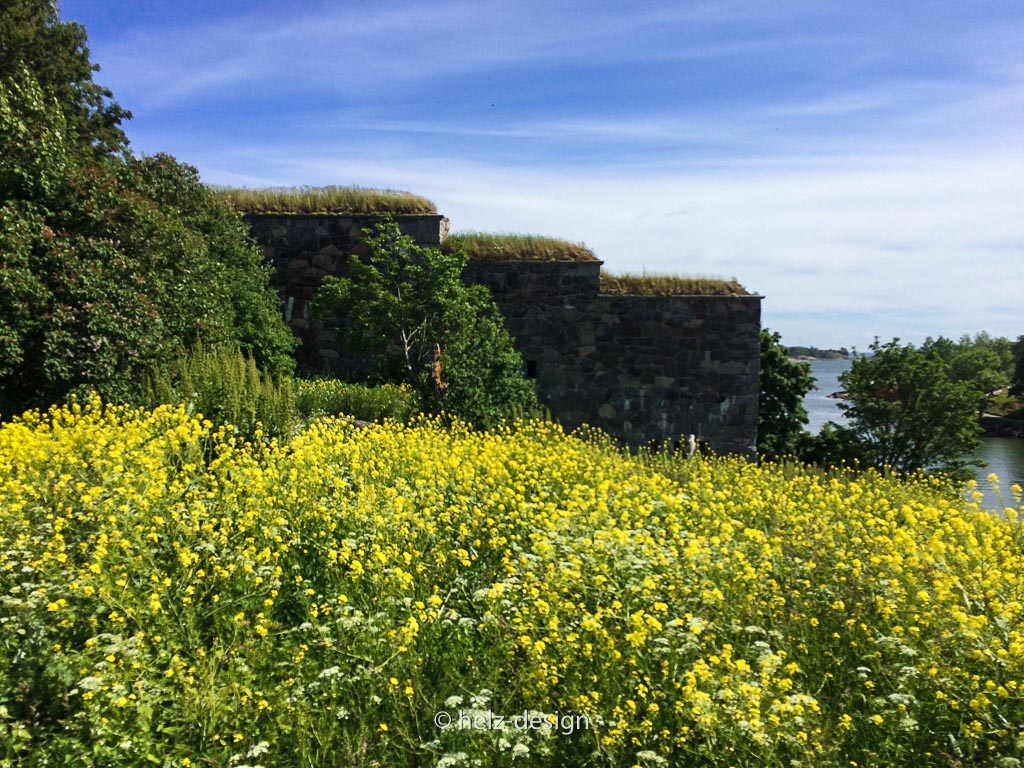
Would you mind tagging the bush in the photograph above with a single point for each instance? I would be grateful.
(246, 304)
(483, 372)
(781, 413)
(226, 387)
(101, 279)
(331, 397)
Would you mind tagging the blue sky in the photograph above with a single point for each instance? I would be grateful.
(860, 164)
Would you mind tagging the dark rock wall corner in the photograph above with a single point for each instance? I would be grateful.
(644, 368)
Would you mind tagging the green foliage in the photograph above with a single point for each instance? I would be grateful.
(107, 262)
(87, 278)
(482, 369)
(669, 285)
(34, 39)
(1017, 381)
(226, 386)
(781, 413)
(324, 200)
(332, 397)
(246, 303)
(392, 305)
(489, 246)
(102, 280)
(908, 411)
(984, 363)
(834, 446)
(406, 311)
(33, 136)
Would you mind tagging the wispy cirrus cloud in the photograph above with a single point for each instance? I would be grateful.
(364, 46)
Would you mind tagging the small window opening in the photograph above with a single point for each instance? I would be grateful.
(531, 369)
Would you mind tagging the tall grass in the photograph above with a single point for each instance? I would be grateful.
(325, 200)
(644, 284)
(226, 387)
(487, 246)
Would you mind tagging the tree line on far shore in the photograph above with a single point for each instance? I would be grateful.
(908, 407)
(820, 354)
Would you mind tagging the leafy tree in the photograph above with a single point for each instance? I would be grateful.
(239, 279)
(107, 262)
(408, 317)
(985, 363)
(481, 367)
(907, 411)
(1017, 381)
(781, 413)
(834, 446)
(33, 38)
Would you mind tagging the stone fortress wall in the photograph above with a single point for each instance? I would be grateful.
(642, 368)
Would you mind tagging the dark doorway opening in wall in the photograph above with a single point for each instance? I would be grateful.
(531, 369)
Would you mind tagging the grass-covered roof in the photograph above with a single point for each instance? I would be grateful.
(487, 246)
(351, 200)
(669, 285)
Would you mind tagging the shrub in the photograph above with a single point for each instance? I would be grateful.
(107, 262)
(482, 371)
(104, 280)
(781, 416)
(332, 397)
(246, 303)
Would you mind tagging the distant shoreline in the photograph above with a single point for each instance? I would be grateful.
(811, 359)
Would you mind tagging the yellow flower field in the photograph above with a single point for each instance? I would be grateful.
(419, 596)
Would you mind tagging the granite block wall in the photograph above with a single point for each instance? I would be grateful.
(646, 368)
(537, 281)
